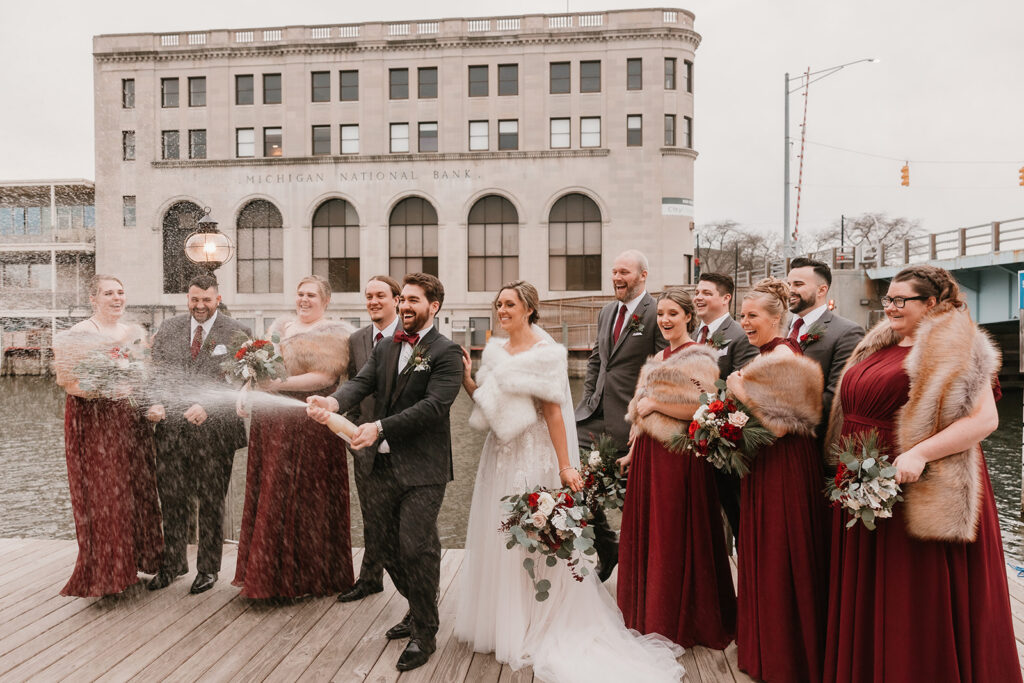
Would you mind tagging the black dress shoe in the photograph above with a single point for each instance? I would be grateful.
(162, 579)
(415, 655)
(402, 629)
(360, 591)
(203, 582)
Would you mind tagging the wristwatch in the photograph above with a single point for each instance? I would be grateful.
(380, 430)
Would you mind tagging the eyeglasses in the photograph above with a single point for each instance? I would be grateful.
(900, 301)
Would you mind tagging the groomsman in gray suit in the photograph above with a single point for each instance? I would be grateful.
(381, 294)
(824, 336)
(718, 330)
(627, 334)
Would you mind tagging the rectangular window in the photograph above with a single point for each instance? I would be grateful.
(508, 134)
(170, 141)
(399, 137)
(197, 144)
(350, 138)
(635, 74)
(128, 211)
(427, 83)
(634, 130)
(560, 77)
(670, 130)
(244, 89)
(321, 140)
(272, 142)
(428, 137)
(128, 145)
(479, 136)
(349, 82)
(561, 134)
(168, 92)
(128, 93)
(508, 79)
(590, 131)
(687, 132)
(398, 84)
(197, 91)
(271, 88)
(670, 73)
(687, 75)
(590, 76)
(320, 82)
(245, 142)
(478, 81)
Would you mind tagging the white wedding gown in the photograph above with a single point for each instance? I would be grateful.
(577, 634)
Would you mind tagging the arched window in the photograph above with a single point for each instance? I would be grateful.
(260, 248)
(493, 244)
(336, 245)
(574, 244)
(413, 237)
(179, 222)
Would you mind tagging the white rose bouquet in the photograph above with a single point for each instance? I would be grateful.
(605, 486)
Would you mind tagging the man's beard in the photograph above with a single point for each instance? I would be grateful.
(802, 306)
(417, 323)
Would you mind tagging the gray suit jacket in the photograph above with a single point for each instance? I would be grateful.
(737, 352)
(612, 371)
(360, 347)
(837, 342)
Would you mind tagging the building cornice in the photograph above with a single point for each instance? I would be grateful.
(382, 158)
(678, 152)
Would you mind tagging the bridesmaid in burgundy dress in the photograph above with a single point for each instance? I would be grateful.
(110, 454)
(674, 576)
(783, 541)
(295, 538)
(924, 596)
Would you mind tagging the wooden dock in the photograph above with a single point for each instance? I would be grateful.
(218, 636)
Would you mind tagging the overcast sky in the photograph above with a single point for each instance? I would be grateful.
(944, 95)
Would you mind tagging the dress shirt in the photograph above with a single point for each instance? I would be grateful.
(207, 326)
(388, 331)
(809, 319)
(713, 326)
(403, 360)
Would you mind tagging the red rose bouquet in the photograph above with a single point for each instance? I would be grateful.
(253, 361)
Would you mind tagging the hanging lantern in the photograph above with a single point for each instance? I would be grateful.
(208, 246)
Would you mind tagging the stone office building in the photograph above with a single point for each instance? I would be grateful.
(481, 150)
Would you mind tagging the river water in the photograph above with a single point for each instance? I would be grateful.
(34, 499)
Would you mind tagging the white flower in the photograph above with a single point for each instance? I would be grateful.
(561, 521)
(545, 503)
(738, 419)
(853, 503)
(595, 459)
(701, 412)
(539, 519)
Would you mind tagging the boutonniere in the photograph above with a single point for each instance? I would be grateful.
(717, 341)
(210, 344)
(419, 361)
(635, 325)
(814, 333)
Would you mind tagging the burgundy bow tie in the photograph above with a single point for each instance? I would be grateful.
(403, 337)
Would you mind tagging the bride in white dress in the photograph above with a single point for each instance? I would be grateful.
(522, 397)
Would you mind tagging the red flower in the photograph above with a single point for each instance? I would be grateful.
(590, 481)
(259, 343)
(567, 500)
(730, 432)
(533, 499)
(241, 354)
(702, 444)
(635, 318)
(693, 428)
(715, 406)
(841, 472)
(730, 406)
(583, 522)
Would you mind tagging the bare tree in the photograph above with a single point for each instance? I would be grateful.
(726, 246)
(868, 230)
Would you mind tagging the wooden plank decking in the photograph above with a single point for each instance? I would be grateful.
(218, 636)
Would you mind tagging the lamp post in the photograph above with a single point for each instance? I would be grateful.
(208, 246)
(810, 77)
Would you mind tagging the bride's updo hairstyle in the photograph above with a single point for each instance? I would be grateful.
(527, 293)
(680, 297)
(937, 282)
(773, 295)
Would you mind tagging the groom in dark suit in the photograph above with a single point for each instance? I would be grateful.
(627, 334)
(414, 380)
(196, 437)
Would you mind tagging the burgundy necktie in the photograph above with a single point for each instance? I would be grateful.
(380, 335)
(795, 334)
(703, 338)
(618, 324)
(403, 337)
(197, 341)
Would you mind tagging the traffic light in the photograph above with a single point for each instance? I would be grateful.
(1021, 174)
(905, 175)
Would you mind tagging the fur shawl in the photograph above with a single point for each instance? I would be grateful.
(507, 386)
(784, 391)
(951, 363)
(672, 381)
(323, 349)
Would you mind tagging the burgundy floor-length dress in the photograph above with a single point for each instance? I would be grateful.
(112, 477)
(674, 576)
(295, 537)
(782, 557)
(902, 609)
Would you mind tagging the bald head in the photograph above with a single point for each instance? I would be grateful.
(629, 275)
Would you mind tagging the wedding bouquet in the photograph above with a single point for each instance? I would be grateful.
(603, 483)
(865, 480)
(112, 372)
(553, 524)
(252, 361)
(724, 431)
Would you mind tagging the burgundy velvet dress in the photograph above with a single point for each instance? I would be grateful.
(295, 538)
(902, 609)
(674, 576)
(112, 477)
(782, 558)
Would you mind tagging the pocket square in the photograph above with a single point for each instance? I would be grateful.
(722, 351)
(219, 350)
(638, 334)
